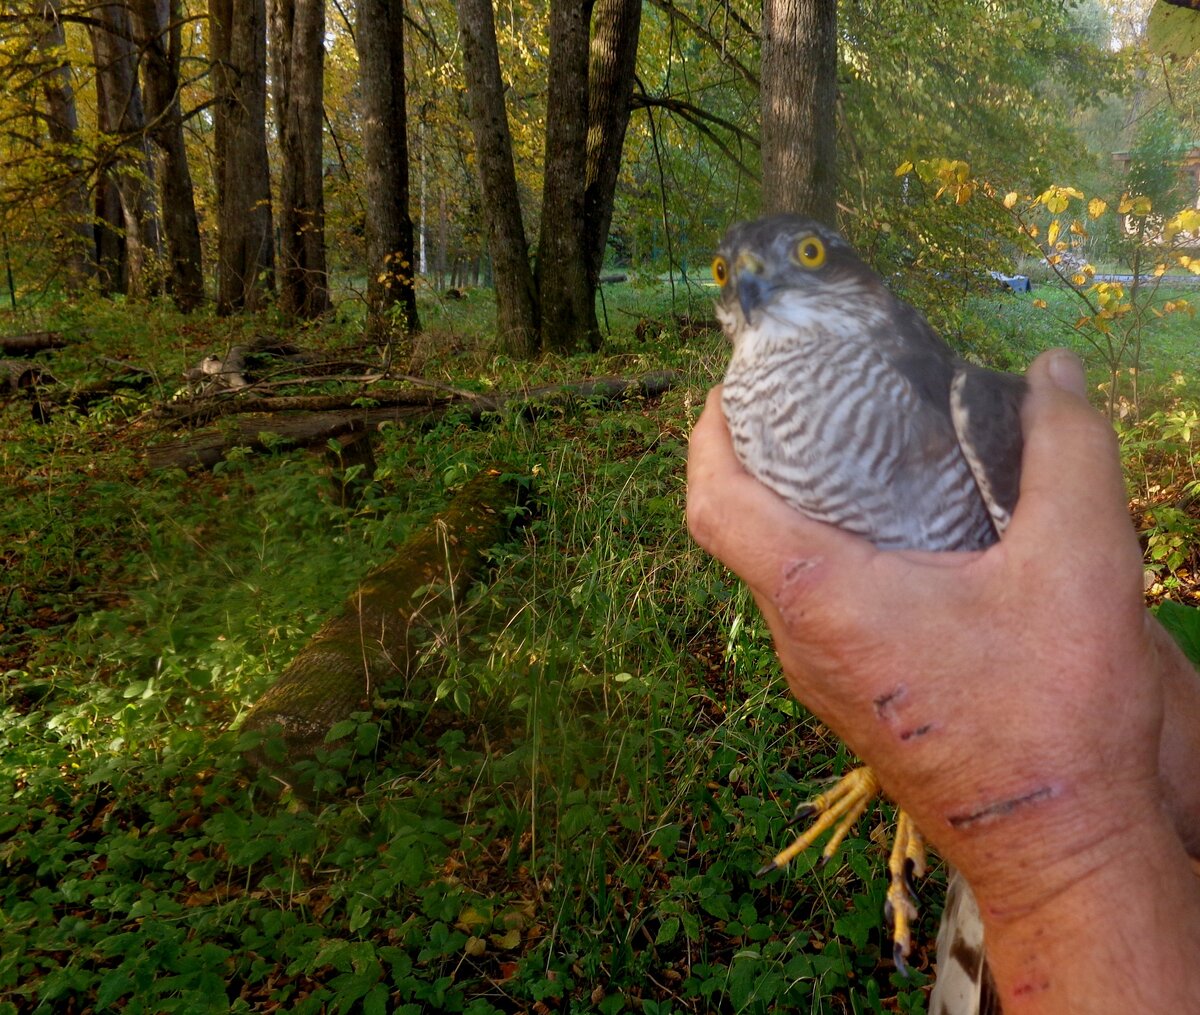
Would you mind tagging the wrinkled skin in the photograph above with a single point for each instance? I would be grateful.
(1012, 701)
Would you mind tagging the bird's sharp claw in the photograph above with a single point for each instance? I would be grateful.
(838, 810)
(906, 862)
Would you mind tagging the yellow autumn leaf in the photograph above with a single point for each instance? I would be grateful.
(1052, 233)
(1160, 269)
(469, 919)
(1040, 303)
(507, 941)
(1125, 205)
(904, 168)
(1187, 221)
(1079, 279)
(1077, 228)
(1010, 199)
(1096, 208)
(1056, 199)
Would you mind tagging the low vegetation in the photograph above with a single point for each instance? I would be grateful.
(562, 809)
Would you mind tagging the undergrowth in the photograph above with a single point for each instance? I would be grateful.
(562, 810)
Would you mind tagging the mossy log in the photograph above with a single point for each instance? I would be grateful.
(32, 343)
(373, 640)
(16, 375)
(204, 448)
(83, 396)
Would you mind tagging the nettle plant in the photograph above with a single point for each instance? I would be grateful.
(1066, 229)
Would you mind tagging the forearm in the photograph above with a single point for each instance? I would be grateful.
(1125, 938)
(1179, 756)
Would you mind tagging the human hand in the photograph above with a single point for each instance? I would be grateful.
(1009, 700)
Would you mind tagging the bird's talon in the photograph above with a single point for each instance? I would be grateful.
(801, 812)
(898, 955)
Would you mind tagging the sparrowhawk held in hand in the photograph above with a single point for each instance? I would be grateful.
(844, 401)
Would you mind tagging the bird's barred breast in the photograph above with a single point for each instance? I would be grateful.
(836, 435)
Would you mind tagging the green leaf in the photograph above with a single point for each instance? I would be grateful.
(667, 931)
(113, 986)
(340, 729)
(376, 1001)
(1183, 624)
(1173, 31)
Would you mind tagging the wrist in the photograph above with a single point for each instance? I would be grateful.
(1179, 754)
(1120, 936)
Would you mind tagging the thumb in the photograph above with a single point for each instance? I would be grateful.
(1072, 485)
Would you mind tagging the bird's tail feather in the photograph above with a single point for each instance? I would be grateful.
(963, 985)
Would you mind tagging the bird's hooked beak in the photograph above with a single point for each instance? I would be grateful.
(752, 289)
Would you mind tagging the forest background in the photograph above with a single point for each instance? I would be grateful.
(320, 315)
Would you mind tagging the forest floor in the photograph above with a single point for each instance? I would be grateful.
(562, 809)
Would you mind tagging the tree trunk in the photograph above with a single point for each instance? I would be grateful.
(62, 123)
(516, 298)
(109, 231)
(120, 114)
(799, 118)
(297, 65)
(156, 26)
(567, 299)
(389, 229)
(245, 248)
(610, 90)
(375, 640)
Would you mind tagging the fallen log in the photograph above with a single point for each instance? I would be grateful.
(203, 410)
(82, 397)
(31, 343)
(204, 448)
(16, 375)
(373, 641)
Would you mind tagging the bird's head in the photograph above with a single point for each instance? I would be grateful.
(786, 270)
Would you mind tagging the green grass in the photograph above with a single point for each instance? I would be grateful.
(565, 805)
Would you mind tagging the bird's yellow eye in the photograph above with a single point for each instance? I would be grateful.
(720, 270)
(810, 252)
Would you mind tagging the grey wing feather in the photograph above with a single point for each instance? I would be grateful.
(985, 406)
(922, 358)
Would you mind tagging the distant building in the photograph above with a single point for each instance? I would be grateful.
(1189, 166)
(1189, 172)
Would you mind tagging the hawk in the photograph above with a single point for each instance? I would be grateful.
(843, 400)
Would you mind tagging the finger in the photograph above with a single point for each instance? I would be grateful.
(1072, 486)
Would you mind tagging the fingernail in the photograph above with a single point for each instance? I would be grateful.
(1067, 372)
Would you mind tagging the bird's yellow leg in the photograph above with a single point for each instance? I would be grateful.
(838, 809)
(906, 862)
